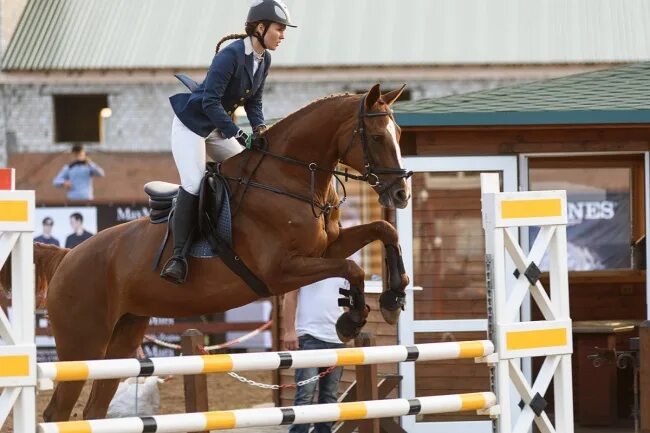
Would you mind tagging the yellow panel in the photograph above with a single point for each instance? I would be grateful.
(14, 365)
(219, 420)
(74, 427)
(471, 349)
(352, 411)
(548, 207)
(349, 356)
(14, 210)
(472, 401)
(71, 371)
(216, 363)
(518, 340)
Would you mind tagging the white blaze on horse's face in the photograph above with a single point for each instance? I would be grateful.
(392, 129)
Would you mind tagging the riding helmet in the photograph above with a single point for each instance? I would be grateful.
(269, 10)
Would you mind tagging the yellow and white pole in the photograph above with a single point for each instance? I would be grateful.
(264, 417)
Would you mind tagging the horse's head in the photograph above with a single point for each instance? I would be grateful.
(373, 150)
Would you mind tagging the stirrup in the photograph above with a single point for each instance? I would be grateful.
(175, 270)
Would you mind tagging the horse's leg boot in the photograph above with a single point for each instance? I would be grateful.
(183, 222)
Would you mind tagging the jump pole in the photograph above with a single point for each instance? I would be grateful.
(121, 368)
(278, 416)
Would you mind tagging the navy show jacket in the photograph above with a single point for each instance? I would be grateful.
(228, 84)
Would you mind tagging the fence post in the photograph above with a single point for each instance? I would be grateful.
(644, 375)
(367, 383)
(195, 386)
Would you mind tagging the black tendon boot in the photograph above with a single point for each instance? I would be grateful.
(184, 221)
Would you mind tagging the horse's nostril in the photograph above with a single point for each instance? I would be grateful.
(401, 195)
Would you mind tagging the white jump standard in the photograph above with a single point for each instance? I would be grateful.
(18, 353)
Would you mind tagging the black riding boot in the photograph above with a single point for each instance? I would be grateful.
(184, 221)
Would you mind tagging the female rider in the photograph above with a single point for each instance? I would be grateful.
(203, 119)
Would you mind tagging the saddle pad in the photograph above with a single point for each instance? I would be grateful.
(200, 247)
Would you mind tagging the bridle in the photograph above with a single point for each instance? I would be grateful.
(370, 175)
(371, 171)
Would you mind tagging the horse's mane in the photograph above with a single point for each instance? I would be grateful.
(311, 107)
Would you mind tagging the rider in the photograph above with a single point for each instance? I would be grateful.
(203, 119)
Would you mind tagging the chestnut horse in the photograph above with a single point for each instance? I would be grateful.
(102, 293)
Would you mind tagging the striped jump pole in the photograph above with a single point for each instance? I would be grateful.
(278, 416)
(121, 368)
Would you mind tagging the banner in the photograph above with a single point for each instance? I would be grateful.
(599, 231)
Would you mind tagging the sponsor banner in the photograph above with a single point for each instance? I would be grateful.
(598, 231)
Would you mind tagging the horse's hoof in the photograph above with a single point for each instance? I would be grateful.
(347, 327)
(391, 304)
(390, 317)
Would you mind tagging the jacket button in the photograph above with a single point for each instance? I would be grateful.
(241, 100)
(248, 90)
(229, 113)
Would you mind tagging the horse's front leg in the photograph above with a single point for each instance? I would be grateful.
(300, 271)
(352, 239)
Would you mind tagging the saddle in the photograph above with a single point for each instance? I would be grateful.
(214, 204)
(214, 223)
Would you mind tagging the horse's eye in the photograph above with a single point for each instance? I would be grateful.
(376, 138)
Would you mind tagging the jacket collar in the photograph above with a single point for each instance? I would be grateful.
(248, 46)
(249, 58)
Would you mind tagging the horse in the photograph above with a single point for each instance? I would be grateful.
(101, 294)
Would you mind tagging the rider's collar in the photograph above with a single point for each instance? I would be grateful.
(248, 49)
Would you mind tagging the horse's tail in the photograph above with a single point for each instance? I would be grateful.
(46, 261)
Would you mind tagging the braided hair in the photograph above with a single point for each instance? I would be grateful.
(250, 30)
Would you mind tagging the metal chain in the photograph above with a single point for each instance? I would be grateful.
(491, 305)
(288, 385)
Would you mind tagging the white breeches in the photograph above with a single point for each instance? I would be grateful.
(190, 150)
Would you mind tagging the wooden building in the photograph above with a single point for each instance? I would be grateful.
(588, 134)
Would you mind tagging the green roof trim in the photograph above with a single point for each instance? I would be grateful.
(523, 118)
(619, 96)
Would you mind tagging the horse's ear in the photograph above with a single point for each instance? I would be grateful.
(373, 96)
(393, 95)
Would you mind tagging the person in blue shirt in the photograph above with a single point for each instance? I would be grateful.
(203, 122)
(46, 237)
(77, 176)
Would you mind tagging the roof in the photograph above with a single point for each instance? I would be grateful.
(148, 34)
(123, 183)
(617, 95)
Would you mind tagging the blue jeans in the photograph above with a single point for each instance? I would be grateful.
(327, 386)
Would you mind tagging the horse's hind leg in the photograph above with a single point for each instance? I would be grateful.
(62, 402)
(71, 346)
(126, 338)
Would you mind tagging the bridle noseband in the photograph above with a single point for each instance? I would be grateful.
(370, 175)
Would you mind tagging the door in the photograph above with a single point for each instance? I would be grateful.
(443, 247)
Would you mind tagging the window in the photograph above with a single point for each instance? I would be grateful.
(77, 117)
(604, 207)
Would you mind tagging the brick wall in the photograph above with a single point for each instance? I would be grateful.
(141, 116)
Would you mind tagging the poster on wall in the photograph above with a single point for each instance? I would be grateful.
(598, 231)
(65, 226)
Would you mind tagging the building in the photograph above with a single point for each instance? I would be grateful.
(74, 58)
(68, 60)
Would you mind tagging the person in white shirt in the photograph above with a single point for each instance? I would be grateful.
(309, 321)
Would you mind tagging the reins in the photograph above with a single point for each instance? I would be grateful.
(370, 175)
